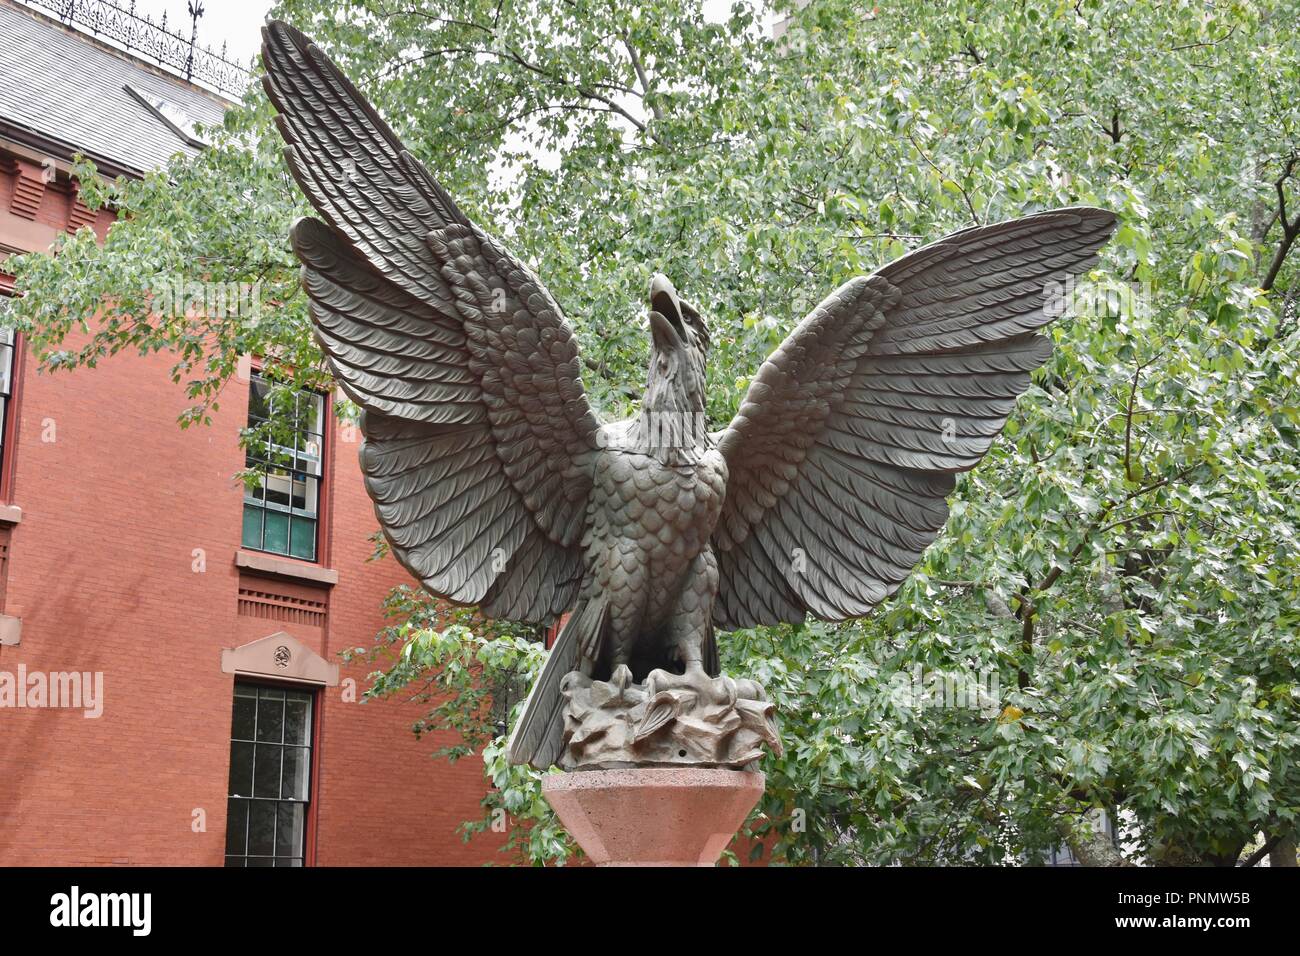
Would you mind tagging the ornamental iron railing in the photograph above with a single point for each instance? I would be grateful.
(137, 33)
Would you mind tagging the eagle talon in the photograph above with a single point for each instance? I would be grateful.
(718, 691)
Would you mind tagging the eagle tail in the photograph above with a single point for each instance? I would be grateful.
(538, 737)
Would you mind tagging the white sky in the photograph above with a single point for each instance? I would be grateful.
(237, 23)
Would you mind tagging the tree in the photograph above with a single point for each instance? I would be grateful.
(1108, 621)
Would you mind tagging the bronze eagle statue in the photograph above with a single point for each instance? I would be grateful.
(497, 485)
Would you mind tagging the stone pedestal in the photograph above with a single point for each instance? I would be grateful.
(653, 816)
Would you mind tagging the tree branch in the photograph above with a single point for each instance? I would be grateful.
(1128, 426)
(1262, 852)
(642, 78)
(1290, 229)
(1113, 130)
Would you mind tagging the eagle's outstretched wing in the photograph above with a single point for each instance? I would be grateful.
(848, 439)
(476, 423)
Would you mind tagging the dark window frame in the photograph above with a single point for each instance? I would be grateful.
(10, 393)
(240, 806)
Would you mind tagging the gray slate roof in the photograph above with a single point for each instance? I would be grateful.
(60, 85)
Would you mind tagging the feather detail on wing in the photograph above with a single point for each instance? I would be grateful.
(478, 432)
(848, 440)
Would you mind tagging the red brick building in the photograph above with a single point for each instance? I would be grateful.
(152, 607)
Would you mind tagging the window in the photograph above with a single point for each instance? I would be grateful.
(7, 372)
(280, 510)
(270, 776)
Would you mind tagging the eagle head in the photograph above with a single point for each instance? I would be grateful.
(677, 320)
(675, 386)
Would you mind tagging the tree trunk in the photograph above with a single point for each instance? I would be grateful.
(1284, 853)
(1175, 854)
(1090, 841)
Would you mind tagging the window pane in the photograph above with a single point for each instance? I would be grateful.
(310, 493)
(288, 832)
(257, 407)
(244, 720)
(256, 492)
(315, 403)
(276, 537)
(294, 786)
(252, 527)
(304, 538)
(270, 719)
(309, 455)
(236, 825)
(295, 720)
(278, 487)
(266, 777)
(261, 827)
(241, 770)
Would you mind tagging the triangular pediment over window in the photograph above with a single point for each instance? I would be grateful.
(282, 657)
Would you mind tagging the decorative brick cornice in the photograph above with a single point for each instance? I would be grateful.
(79, 214)
(281, 607)
(29, 189)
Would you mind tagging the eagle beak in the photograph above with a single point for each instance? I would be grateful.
(666, 325)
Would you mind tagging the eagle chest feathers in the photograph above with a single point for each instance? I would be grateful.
(650, 519)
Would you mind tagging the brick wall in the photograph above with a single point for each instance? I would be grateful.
(115, 500)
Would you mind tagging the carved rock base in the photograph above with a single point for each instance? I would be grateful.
(653, 816)
(669, 721)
